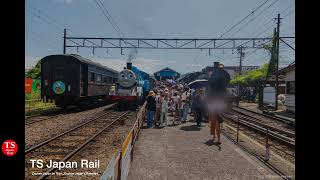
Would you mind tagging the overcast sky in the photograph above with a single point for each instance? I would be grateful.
(45, 20)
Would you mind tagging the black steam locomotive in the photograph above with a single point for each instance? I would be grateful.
(74, 80)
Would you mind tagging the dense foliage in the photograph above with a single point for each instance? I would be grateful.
(251, 78)
(34, 73)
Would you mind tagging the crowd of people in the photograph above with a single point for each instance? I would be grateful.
(166, 99)
(178, 100)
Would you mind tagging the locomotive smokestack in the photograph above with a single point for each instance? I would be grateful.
(132, 55)
(129, 65)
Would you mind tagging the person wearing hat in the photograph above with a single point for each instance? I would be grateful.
(151, 108)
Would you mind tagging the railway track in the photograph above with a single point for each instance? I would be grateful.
(266, 121)
(39, 119)
(277, 133)
(65, 145)
(264, 115)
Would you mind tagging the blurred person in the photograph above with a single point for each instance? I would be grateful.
(182, 103)
(216, 106)
(158, 106)
(177, 102)
(171, 105)
(199, 107)
(193, 95)
(151, 107)
(218, 83)
(186, 105)
(164, 109)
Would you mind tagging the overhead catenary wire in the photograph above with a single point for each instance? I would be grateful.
(243, 19)
(246, 24)
(43, 19)
(109, 17)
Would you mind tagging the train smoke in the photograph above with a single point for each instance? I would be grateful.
(132, 55)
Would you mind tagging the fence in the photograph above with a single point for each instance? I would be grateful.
(262, 150)
(119, 165)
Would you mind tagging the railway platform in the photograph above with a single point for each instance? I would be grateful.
(185, 152)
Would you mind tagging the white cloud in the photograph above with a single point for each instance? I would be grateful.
(172, 62)
(147, 18)
(64, 1)
(194, 65)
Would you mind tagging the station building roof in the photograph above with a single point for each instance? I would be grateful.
(290, 67)
(166, 72)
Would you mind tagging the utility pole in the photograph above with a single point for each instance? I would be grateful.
(241, 58)
(277, 62)
(64, 40)
(240, 51)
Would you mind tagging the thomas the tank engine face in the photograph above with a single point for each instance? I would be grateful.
(127, 78)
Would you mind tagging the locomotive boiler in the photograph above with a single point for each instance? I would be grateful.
(128, 92)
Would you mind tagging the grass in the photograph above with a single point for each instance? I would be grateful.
(35, 106)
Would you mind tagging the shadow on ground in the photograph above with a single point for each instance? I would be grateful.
(211, 143)
(175, 124)
(190, 128)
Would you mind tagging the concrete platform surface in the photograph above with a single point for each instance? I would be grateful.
(184, 152)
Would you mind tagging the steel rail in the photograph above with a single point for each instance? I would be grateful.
(39, 120)
(59, 135)
(273, 134)
(269, 116)
(82, 146)
(256, 121)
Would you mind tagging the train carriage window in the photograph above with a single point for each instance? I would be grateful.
(291, 87)
(98, 78)
(91, 76)
(105, 79)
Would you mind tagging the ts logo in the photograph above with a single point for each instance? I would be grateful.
(9, 148)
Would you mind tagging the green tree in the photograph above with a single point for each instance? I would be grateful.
(34, 73)
(271, 48)
(251, 78)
